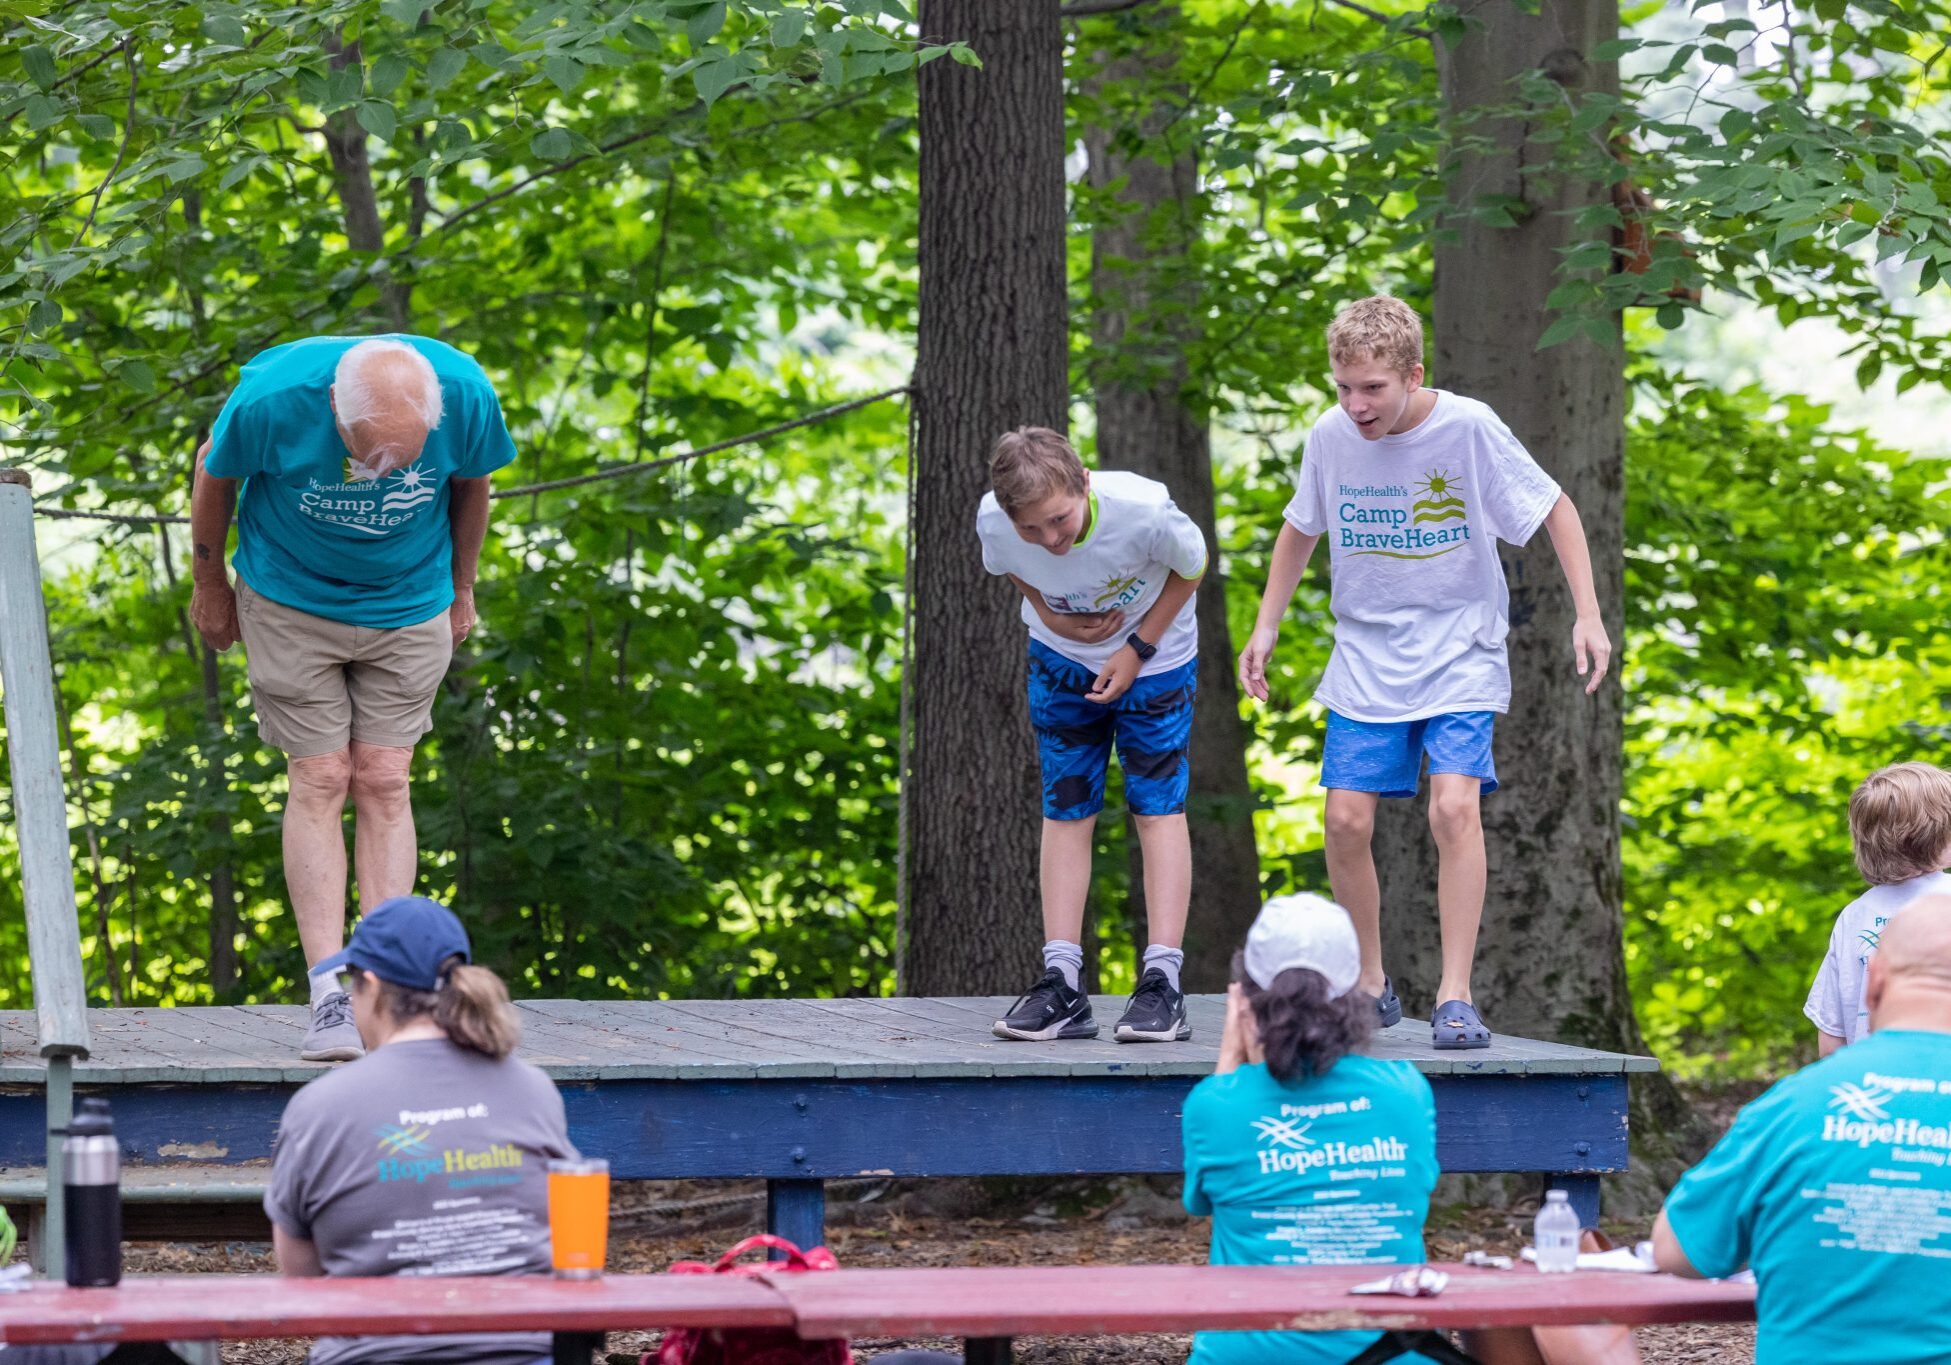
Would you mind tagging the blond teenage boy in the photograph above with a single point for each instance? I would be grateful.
(1107, 565)
(1413, 487)
(1900, 823)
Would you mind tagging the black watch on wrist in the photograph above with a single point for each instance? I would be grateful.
(1140, 648)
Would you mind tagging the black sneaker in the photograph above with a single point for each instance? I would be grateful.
(1156, 1014)
(1050, 1009)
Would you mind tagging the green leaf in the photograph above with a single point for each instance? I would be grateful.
(239, 170)
(1720, 54)
(345, 87)
(183, 168)
(225, 30)
(405, 12)
(98, 126)
(552, 144)
(703, 26)
(1868, 368)
(715, 78)
(1564, 329)
(43, 112)
(964, 54)
(1614, 48)
(789, 28)
(377, 117)
(43, 315)
(137, 375)
(388, 72)
(40, 66)
(565, 71)
(1670, 316)
(443, 66)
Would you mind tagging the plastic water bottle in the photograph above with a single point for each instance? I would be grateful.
(1555, 1234)
(92, 1196)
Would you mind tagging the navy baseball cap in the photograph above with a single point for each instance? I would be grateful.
(403, 940)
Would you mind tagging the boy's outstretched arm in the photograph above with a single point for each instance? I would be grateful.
(1292, 550)
(1590, 646)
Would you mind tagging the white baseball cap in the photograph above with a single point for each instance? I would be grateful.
(1304, 930)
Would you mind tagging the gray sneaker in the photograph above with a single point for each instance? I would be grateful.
(332, 1037)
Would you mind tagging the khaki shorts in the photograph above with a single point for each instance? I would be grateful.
(318, 684)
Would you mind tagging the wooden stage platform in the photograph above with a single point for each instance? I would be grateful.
(802, 1091)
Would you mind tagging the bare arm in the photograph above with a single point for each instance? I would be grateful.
(1667, 1254)
(297, 1256)
(213, 603)
(1292, 551)
(1176, 593)
(1589, 639)
(468, 515)
(1085, 627)
(1826, 1043)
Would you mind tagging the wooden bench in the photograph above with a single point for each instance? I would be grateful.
(798, 1092)
(986, 1305)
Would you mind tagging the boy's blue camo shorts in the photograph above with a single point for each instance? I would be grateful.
(1150, 724)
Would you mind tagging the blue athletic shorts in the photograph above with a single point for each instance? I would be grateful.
(1386, 757)
(1150, 724)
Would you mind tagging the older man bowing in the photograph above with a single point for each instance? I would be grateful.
(1835, 1186)
(364, 467)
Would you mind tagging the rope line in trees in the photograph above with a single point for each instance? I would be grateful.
(549, 486)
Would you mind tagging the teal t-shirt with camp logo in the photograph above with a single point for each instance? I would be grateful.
(314, 535)
(1331, 1170)
(1835, 1187)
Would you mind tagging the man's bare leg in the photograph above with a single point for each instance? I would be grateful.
(385, 850)
(314, 848)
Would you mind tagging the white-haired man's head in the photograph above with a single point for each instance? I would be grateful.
(386, 398)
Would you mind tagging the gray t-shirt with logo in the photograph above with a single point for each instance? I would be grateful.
(422, 1158)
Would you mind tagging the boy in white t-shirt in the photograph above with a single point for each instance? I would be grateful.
(1413, 488)
(1107, 566)
(1900, 823)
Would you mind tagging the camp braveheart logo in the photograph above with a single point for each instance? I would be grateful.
(1374, 521)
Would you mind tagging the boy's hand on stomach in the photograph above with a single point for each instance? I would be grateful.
(1088, 627)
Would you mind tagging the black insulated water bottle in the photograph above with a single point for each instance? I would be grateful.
(92, 1196)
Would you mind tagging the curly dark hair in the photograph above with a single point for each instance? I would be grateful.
(1302, 1031)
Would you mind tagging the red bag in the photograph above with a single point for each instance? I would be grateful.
(752, 1345)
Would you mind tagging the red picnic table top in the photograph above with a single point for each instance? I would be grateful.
(975, 1301)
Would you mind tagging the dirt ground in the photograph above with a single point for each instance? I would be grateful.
(965, 1222)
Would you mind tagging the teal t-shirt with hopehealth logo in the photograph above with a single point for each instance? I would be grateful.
(1331, 1170)
(367, 552)
(1835, 1187)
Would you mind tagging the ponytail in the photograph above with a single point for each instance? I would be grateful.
(470, 1004)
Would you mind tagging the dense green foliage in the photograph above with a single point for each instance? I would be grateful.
(668, 762)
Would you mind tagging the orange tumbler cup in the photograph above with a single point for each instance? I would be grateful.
(579, 1216)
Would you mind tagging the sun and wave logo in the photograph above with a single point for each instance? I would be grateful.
(1441, 501)
(1869, 938)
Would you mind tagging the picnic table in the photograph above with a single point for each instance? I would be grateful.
(798, 1092)
(988, 1306)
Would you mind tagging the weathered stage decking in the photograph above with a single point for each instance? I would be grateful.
(802, 1091)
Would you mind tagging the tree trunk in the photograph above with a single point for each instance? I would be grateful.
(1152, 420)
(1549, 963)
(352, 171)
(990, 356)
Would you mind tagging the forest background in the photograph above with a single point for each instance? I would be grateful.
(671, 761)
